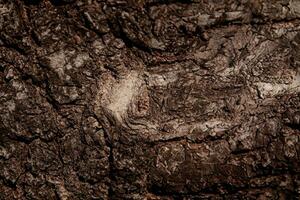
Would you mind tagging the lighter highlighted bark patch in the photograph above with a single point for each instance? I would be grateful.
(270, 89)
(62, 61)
(57, 62)
(123, 93)
(116, 96)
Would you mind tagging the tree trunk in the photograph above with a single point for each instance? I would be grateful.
(149, 99)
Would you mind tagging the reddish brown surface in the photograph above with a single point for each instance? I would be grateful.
(149, 99)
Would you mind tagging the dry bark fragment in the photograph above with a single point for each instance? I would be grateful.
(149, 99)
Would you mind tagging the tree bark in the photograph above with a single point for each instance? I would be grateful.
(149, 99)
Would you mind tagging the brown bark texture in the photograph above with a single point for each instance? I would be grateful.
(149, 99)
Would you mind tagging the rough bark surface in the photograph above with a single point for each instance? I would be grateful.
(149, 99)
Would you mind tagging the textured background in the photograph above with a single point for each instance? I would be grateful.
(149, 99)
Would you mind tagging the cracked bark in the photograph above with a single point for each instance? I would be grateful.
(149, 99)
